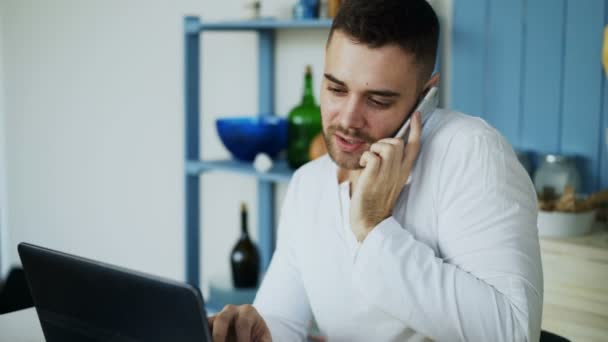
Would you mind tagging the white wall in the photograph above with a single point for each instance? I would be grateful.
(4, 247)
(94, 125)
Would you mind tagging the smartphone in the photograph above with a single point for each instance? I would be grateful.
(426, 107)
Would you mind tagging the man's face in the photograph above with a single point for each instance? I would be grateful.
(366, 95)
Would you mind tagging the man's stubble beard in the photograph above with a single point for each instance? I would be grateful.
(348, 161)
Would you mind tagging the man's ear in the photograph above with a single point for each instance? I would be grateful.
(432, 82)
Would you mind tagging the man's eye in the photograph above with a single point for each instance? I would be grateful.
(336, 90)
(378, 103)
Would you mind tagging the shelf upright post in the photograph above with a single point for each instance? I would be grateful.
(191, 148)
(266, 200)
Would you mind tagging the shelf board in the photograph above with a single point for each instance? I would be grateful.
(221, 293)
(265, 24)
(280, 171)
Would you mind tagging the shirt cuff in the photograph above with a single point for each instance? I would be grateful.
(383, 230)
(370, 246)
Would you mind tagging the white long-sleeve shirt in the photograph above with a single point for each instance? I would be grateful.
(459, 259)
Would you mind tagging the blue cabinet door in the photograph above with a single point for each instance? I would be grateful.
(532, 69)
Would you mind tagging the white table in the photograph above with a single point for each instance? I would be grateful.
(21, 326)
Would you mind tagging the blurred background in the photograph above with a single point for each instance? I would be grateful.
(93, 125)
(92, 112)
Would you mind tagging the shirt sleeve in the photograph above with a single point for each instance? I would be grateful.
(486, 283)
(281, 299)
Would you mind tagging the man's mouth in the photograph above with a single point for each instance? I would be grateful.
(349, 144)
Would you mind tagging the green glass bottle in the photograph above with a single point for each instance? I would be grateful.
(304, 123)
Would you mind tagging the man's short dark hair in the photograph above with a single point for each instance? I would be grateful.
(410, 24)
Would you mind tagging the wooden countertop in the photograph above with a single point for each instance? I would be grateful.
(591, 246)
(575, 285)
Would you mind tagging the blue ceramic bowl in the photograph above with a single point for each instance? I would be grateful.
(245, 137)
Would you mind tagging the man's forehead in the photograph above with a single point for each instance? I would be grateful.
(351, 61)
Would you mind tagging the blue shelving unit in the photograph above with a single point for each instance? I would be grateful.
(266, 24)
(280, 171)
(194, 166)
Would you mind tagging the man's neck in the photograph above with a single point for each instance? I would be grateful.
(343, 175)
(346, 175)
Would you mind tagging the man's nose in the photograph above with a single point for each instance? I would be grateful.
(352, 115)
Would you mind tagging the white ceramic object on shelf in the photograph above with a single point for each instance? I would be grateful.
(262, 163)
(561, 224)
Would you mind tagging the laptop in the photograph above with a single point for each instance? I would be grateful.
(78, 299)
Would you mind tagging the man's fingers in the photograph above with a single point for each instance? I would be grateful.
(222, 322)
(383, 150)
(210, 322)
(244, 323)
(389, 150)
(413, 144)
(243, 330)
(392, 141)
(371, 163)
(416, 128)
(265, 333)
(238, 323)
(363, 160)
(394, 150)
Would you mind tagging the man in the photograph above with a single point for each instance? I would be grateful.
(384, 240)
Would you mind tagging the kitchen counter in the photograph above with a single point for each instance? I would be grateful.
(576, 285)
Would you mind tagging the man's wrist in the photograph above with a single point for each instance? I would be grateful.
(362, 228)
(361, 236)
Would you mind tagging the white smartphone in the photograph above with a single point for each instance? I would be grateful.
(426, 107)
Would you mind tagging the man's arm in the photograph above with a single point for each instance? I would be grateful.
(488, 284)
(281, 299)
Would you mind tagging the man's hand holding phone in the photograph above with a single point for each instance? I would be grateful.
(386, 168)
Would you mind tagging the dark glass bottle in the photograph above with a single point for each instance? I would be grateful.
(245, 259)
(304, 123)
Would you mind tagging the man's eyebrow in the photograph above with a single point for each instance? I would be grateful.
(378, 92)
(335, 80)
(384, 93)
